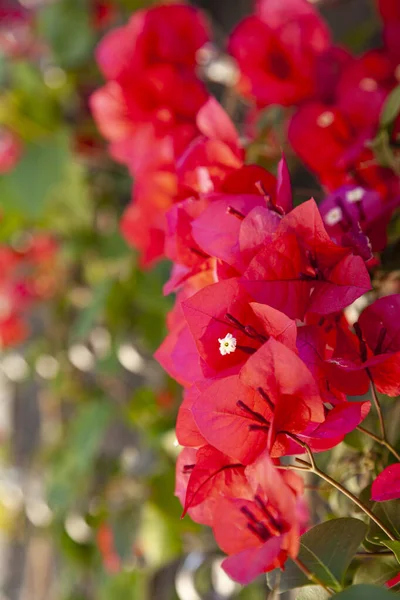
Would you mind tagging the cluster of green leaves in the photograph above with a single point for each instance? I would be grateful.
(334, 552)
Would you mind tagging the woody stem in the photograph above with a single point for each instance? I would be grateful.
(356, 501)
(315, 469)
(310, 576)
(376, 402)
(379, 440)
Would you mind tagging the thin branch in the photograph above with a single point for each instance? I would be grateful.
(380, 441)
(310, 576)
(377, 406)
(315, 469)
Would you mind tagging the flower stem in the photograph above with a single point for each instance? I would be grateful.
(379, 440)
(356, 501)
(376, 402)
(315, 469)
(310, 576)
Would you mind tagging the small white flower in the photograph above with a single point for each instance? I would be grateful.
(334, 216)
(355, 195)
(227, 345)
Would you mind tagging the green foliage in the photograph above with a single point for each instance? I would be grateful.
(71, 466)
(326, 550)
(389, 514)
(67, 27)
(365, 592)
(89, 316)
(158, 538)
(377, 570)
(394, 546)
(43, 167)
(391, 108)
(131, 585)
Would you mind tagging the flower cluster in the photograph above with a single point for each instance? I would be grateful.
(148, 107)
(27, 275)
(286, 57)
(258, 335)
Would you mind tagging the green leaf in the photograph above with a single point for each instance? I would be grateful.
(327, 550)
(26, 189)
(389, 514)
(87, 318)
(313, 592)
(72, 465)
(158, 537)
(377, 570)
(383, 151)
(391, 108)
(365, 592)
(67, 27)
(130, 585)
(394, 547)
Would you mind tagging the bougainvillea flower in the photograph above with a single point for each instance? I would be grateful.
(260, 533)
(328, 144)
(13, 331)
(213, 475)
(143, 223)
(387, 485)
(150, 67)
(233, 418)
(214, 154)
(390, 14)
(320, 134)
(17, 36)
(314, 347)
(170, 33)
(363, 87)
(119, 113)
(372, 353)
(179, 357)
(10, 150)
(187, 432)
(339, 421)
(103, 13)
(350, 206)
(242, 415)
(277, 52)
(281, 376)
(203, 512)
(222, 315)
(247, 193)
(302, 269)
(329, 68)
(216, 230)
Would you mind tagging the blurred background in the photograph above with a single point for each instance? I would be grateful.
(87, 459)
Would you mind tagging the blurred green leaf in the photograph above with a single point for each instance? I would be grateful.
(73, 464)
(87, 317)
(132, 585)
(327, 550)
(66, 25)
(158, 537)
(383, 151)
(41, 168)
(69, 207)
(391, 108)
